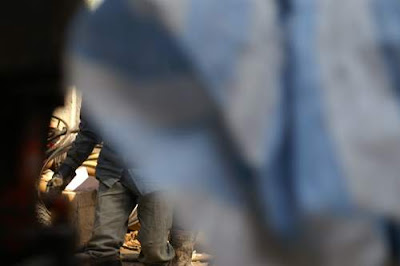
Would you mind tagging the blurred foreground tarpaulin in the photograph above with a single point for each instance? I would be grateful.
(290, 107)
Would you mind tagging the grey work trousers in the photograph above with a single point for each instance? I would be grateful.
(114, 205)
(155, 217)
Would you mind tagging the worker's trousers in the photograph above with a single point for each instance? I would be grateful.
(114, 206)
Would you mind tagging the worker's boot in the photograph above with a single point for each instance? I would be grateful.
(183, 244)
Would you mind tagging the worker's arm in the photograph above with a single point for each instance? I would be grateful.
(82, 147)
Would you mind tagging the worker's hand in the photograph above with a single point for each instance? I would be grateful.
(56, 184)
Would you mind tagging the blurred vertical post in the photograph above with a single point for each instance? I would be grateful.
(31, 76)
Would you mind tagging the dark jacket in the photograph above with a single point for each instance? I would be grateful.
(109, 165)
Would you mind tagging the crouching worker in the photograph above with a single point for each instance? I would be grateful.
(116, 198)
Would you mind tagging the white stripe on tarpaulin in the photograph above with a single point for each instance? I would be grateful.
(247, 89)
(363, 112)
(248, 54)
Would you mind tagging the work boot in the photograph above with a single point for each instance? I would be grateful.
(183, 244)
